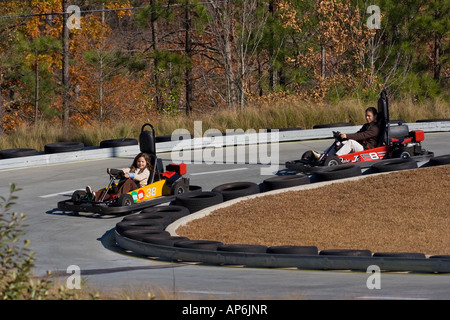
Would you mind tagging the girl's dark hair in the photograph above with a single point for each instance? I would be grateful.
(147, 160)
(373, 110)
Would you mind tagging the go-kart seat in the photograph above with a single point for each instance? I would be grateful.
(158, 169)
(388, 132)
(147, 140)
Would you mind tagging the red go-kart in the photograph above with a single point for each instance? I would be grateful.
(395, 141)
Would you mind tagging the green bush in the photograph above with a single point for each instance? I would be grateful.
(17, 260)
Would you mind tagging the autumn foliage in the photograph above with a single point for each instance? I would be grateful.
(146, 58)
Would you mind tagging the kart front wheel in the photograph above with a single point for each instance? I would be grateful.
(332, 161)
(125, 200)
(78, 195)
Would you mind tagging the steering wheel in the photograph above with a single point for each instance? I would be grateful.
(116, 173)
(337, 135)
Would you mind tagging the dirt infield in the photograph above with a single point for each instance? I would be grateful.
(406, 211)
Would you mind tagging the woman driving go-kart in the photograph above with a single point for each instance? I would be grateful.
(365, 138)
(377, 140)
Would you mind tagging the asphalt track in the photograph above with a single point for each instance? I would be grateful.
(62, 239)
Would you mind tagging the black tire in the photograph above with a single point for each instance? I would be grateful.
(170, 211)
(196, 201)
(304, 250)
(198, 244)
(441, 256)
(142, 224)
(78, 195)
(280, 182)
(253, 248)
(346, 252)
(409, 255)
(403, 153)
(118, 143)
(140, 234)
(59, 147)
(338, 172)
(195, 188)
(332, 161)
(151, 217)
(400, 121)
(174, 137)
(332, 125)
(434, 120)
(17, 153)
(235, 190)
(393, 165)
(308, 155)
(179, 187)
(440, 160)
(125, 200)
(163, 241)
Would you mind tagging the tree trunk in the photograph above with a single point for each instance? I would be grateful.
(2, 112)
(65, 71)
(36, 89)
(188, 49)
(155, 46)
(436, 57)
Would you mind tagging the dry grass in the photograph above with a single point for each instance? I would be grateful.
(280, 113)
(406, 211)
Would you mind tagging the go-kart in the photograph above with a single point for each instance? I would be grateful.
(394, 141)
(162, 186)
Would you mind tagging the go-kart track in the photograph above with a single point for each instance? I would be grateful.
(62, 239)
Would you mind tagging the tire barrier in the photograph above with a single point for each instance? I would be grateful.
(198, 200)
(287, 181)
(338, 172)
(242, 248)
(59, 147)
(332, 125)
(346, 252)
(394, 165)
(112, 143)
(301, 250)
(140, 234)
(173, 137)
(409, 255)
(434, 120)
(235, 190)
(145, 234)
(440, 160)
(198, 244)
(16, 153)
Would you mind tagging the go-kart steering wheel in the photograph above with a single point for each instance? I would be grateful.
(337, 135)
(116, 173)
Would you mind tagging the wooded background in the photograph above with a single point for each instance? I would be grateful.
(144, 57)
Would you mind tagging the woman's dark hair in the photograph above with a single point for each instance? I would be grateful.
(373, 110)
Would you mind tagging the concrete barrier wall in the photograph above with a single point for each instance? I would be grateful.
(92, 153)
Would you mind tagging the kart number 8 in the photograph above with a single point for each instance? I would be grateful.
(151, 192)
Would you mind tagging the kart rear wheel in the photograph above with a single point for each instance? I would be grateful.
(332, 161)
(404, 153)
(179, 187)
(125, 200)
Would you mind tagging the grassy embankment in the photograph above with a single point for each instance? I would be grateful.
(283, 113)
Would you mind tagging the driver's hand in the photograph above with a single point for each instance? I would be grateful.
(343, 136)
